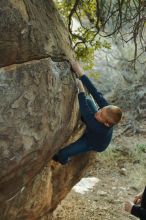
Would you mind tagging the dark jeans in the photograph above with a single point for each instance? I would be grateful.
(79, 146)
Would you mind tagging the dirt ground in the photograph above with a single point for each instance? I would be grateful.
(121, 171)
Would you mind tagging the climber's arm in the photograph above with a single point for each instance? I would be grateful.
(101, 101)
(87, 115)
(98, 97)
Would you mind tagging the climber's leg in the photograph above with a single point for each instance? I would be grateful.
(73, 149)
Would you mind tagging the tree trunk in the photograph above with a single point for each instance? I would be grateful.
(38, 110)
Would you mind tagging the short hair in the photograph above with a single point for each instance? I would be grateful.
(114, 113)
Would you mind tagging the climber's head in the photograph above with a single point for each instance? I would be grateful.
(109, 115)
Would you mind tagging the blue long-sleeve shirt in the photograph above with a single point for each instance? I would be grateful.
(98, 135)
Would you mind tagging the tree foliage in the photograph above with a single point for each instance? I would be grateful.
(101, 19)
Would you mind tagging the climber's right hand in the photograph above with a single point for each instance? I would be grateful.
(77, 68)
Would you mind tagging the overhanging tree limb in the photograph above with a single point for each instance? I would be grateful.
(124, 18)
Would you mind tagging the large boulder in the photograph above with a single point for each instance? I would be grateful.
(38, 110)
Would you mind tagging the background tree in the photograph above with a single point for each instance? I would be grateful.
(101, 19)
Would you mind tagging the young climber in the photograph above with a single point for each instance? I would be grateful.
(99, 120)
(138, 206)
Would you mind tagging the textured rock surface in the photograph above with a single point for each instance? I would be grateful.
(30, 30)
(38, 199)
(36, 103)
(38, 110)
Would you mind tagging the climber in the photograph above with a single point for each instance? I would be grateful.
(99, 120)
(138, 206)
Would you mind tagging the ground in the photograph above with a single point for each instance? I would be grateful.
(121, 171)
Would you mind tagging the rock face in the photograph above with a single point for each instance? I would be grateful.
(30, 30)
(38, 110)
